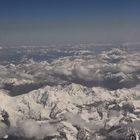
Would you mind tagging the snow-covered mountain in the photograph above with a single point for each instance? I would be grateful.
(78, 97)
(72, 109)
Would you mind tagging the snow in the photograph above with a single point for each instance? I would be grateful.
(70, 98)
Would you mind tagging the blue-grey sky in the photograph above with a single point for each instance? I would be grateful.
(69, 21)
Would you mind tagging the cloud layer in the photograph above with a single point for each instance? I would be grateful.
(113, 70)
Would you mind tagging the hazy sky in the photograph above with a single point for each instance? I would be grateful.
(53, 21)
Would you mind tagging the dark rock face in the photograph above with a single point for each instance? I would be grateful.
(5, 117)
(123, 133)
(83, 134)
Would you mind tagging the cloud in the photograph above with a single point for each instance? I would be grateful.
(110, 69)
(28, 129)
(113, 70)
(31, 129)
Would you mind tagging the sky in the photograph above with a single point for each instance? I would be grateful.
(68, 21)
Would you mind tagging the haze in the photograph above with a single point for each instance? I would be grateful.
(67, 21)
